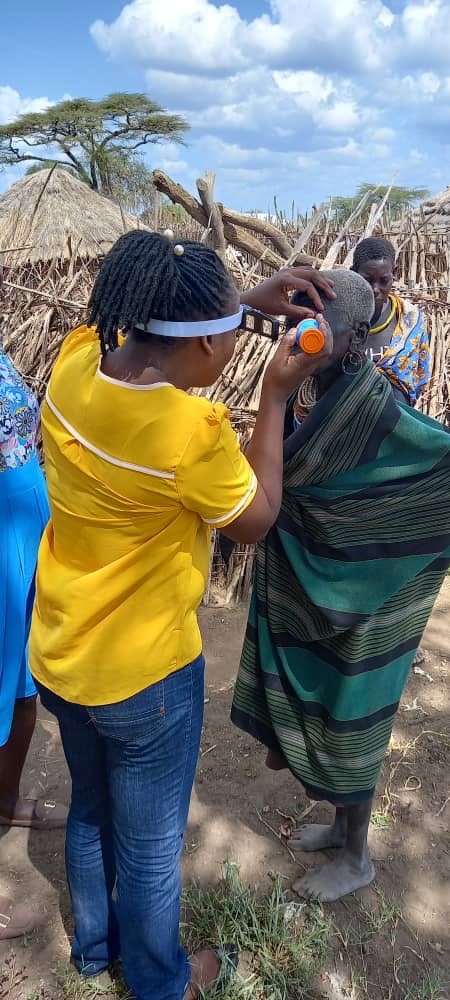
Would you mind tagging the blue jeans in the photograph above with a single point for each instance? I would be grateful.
(132, 766)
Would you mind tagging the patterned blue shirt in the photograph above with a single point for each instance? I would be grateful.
(19, 418)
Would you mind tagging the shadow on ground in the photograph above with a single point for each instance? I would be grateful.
(390, 943)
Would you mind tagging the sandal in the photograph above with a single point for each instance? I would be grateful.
(228, 959)
(46, 815)
(16, 919)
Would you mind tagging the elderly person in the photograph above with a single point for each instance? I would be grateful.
(345, 583)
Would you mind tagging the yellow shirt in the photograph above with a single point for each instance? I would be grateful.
(136, 476)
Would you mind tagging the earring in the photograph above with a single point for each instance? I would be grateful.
(352, 362)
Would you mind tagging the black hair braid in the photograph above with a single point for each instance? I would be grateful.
(141, 278)
(373, 248)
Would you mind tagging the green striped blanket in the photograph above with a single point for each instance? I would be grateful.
(345, 583)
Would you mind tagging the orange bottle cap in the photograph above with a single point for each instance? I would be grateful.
(312, 341)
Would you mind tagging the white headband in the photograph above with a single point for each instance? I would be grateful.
(202, 328)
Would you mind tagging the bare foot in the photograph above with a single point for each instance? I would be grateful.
(331, 882)
(38, 814)
(317, 837)
(16, 919)
(420, 657)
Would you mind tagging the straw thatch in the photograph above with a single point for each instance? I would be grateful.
(51, 214)
(439, 207)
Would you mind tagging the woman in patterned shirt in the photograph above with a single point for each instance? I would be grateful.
(398, 340)
(23, 515)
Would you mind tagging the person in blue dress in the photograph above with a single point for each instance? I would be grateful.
(23, 515)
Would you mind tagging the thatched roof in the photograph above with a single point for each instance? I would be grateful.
(438, 206)
(55, 215)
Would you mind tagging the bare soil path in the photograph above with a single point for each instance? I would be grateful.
(390, 943)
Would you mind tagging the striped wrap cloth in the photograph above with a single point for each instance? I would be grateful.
(345, 583)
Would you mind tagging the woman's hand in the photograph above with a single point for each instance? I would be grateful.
(265, 450)
(272, 295)
(286, 371)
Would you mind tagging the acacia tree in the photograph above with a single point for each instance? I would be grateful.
(131, 182)
(399, 197)
(89, 136)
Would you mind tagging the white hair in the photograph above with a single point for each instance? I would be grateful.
(354, 305)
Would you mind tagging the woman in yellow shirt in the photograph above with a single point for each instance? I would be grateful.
(138, 470)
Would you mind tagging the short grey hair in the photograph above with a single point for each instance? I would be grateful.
(354, 305)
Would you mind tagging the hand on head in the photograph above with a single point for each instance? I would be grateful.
(273, 295)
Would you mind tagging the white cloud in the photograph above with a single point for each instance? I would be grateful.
(314, 97)
(306, 85)
(351, 149)
(385, 18)
(185, 34)
(306, 161)
(416, 156)
(331, 105)
(335, 68)
(423, 20)
(380, 151)
(341, 116)
(12, 104)
(172, 166)
(385, 135)
(332, 91)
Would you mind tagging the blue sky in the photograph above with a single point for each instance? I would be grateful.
(299, 98)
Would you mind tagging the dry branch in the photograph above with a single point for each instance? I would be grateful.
(260, 226)
(37, 293)
(205, 187)
(236, 226)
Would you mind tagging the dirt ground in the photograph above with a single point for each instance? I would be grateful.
(392, 938)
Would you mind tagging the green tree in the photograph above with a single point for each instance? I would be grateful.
(399, 197)
(89, 137)
(130, 182)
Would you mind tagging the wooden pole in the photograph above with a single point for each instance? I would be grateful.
(205, 188)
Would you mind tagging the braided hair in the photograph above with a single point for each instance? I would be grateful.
(374, 248)
(142, 279)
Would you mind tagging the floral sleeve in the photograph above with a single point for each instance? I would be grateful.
(19, 418)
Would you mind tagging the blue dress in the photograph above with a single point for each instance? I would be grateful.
(24, 513)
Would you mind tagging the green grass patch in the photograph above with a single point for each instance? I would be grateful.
(282, 944)
(431, 987)
(381, 820)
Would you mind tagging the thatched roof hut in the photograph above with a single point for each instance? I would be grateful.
(54, 216)
(438, 206)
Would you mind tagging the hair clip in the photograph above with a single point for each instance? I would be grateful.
(178, 250)
(169, 234)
